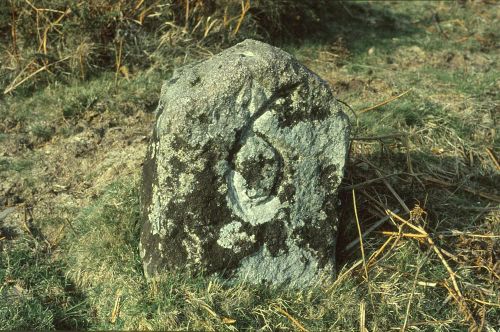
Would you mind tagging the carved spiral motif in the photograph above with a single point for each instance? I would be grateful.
(255, 178)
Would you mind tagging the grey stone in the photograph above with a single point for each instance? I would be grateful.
(241, 173)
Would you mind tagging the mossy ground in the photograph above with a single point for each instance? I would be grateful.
(70, 160)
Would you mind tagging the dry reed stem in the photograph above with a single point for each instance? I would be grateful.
(378, 138)
(43, 9)
(368, 231)
(293, 320)
(409, 163)
(31, 5)
(407, 314)
(496, 305)
(445, 263)
(209, 26)
(459, 233)
(245, 6)
(407, 223)
(346, 273)
(493, 158)
(455, 293)
(362, 246)
(365, 183)
(191, 299)
(209, 309)
(32, 62)
(393, 192)
(462, 305)
(116, 308)
(43, 44)
(37, 19)
(384, 102)
(372, 258)
(11, 88)
(14, 85)
(379, 205)
(491, 197)
(359, 233)
(139, 3)
(13, 31)
(410, 235)
(186, 15)
(58, 237)
(228, 320)
(118, 60)
(362, 317)
(225, 18)
(142, 14)
(434, 247)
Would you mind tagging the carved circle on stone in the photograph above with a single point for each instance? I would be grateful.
(254, 178)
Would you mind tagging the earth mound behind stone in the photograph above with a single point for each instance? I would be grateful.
(241, 173)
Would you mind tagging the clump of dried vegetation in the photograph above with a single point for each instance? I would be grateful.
(420, 222)
(48, 41)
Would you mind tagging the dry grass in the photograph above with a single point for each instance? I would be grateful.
(50, 41)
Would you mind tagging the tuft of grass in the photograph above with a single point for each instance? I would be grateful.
(34, 292)
(19, 165)
(42, 131)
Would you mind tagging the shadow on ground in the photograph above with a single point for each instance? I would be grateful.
(360, 25)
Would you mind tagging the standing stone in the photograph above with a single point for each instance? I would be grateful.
(241, 173)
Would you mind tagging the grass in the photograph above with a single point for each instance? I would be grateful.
(73, 140)
(35, 293)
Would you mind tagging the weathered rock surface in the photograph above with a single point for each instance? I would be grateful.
(241, 174)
